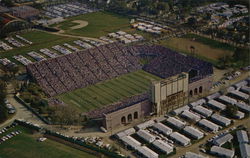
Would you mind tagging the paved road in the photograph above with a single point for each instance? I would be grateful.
(61, 33)
(21, 111)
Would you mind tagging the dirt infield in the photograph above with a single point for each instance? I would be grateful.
(81, 24)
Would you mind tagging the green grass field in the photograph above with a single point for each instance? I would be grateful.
(101, 94)
(99, 24)
(210, 42)
(40, 40)
(25, 145)
(202, 50)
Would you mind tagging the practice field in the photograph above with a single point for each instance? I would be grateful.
(40, 40)
(200, 49)
(101, 94)
(25, 145)
(99, 24)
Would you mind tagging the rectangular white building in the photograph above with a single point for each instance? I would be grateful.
(203, 111)
(245, 89)
(221, 120)
(163, 146)
(145, 125)
(191, 116)
(193, 155)
(197, 103)
(213, 96)
(209, 125)
(216, 105)
(240, 84)
(176, 122)
(180, 110)
(193, 132)
(146, 136)
(239, 95)
(242, 136)
(146, 152)
(244, 150)
(180, 139)
(243, 106)
(239, 115)
(131, 142)
(222, 152)
(219, 141)
(227, 100)
(163, 128)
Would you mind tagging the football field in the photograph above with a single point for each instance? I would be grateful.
(110, 91)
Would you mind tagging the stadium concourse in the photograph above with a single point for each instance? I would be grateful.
(91, 66)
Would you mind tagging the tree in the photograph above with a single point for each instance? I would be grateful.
(7, 3)
(241, 56)
(231, 110)
(66, 115)
(192, 21)
(3, 109)
(171, 4)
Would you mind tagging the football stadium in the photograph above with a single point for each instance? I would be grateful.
(82, 69)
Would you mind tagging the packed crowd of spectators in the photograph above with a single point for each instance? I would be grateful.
(98, 113)
(168, 63)
(80, 69)
(87, 67)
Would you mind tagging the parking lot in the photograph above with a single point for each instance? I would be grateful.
(67, 10)
(44, 53)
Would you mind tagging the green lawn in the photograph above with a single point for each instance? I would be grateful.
(40, 40)
(101, 94)
(25, 145)
(99, 24)
(210, 42)
(202, 51)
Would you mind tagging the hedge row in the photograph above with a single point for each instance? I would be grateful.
(28, 125)
(78, 142)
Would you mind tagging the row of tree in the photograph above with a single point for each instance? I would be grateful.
(240, 58)
(148, 7)
(3, 109)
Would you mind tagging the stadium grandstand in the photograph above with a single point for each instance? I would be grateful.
(78, 70)
(91, 66)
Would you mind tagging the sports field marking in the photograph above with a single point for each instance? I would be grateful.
(75, 103)
(110, 91)
(81, 24)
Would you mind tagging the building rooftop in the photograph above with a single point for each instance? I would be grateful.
(217, 104)
(163, 146)
(163, 128)
(222, 151)
(244, 150)
(193, 132)
(208, 124)
(147, 152)
(191, 116)
(176, 123)
(180, 138)
(222, 139)
(203, 111)
(221, 119)
(146, 136)
(242, 136)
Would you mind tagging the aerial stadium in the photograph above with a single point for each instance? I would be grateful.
(181, 76)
